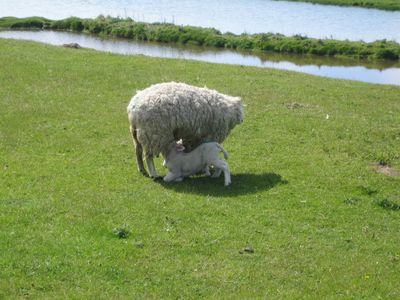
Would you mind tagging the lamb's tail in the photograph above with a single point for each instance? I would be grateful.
(226, 155)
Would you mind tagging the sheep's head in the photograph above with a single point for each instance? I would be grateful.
(238, 114)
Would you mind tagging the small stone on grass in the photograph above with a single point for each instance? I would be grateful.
(247, 250)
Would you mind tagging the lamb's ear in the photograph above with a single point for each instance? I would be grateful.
(180, 148)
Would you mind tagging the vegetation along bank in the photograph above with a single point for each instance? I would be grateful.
(378, 4)
(170, 33)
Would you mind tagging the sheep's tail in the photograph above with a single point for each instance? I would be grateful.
(226, 155)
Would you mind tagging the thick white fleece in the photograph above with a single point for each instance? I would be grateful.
(167, 112)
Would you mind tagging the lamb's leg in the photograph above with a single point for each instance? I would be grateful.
(171, 177)
(139, 153)
(223, 165)
(216, 173)
(207, 171)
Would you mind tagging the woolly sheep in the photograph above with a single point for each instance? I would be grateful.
(166, 112)
(181, 164)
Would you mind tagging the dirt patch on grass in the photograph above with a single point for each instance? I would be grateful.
(386, 170)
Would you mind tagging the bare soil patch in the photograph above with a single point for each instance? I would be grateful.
(386, 170)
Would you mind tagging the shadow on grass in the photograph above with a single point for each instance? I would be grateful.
(242, 184)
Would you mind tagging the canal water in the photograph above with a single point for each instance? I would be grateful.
(382, 73)
(237, 16)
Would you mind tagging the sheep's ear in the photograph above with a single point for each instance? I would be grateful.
(180, 148)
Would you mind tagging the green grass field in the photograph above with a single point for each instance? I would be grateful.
(379, 4)
(305, 195)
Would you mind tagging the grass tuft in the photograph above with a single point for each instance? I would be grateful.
(121, 233)
(390, 204)
(351, 201)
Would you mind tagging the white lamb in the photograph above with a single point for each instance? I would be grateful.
(167, 112)
(181, 164)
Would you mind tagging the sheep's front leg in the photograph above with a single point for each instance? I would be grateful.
(151, 166)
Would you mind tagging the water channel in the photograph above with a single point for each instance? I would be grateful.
(237, 16)
(382, 73)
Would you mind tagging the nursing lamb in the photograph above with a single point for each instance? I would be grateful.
(181, 164)
(167, 112)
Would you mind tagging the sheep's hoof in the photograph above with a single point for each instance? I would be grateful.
(157, 178)
(142, 170)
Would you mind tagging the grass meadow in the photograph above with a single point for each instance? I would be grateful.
(307, 214)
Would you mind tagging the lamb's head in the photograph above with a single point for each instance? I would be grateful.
(176, 149)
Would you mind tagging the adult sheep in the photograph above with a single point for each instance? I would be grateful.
(163, 113)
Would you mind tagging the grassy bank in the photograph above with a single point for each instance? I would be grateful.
(169, 33)
(305, 195)
(378, 4)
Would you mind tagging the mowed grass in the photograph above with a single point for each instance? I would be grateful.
(78, 221)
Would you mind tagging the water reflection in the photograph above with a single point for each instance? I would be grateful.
(373, 72)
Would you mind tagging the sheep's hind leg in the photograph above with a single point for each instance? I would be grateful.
(139, 153)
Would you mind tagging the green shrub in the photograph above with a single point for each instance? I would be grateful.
(245, 43)
(139, 31)
(31, 22)
(215, 41)
(76, 25)
(118, 32)
(389, 54)
(73, 24)
(167, 34)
